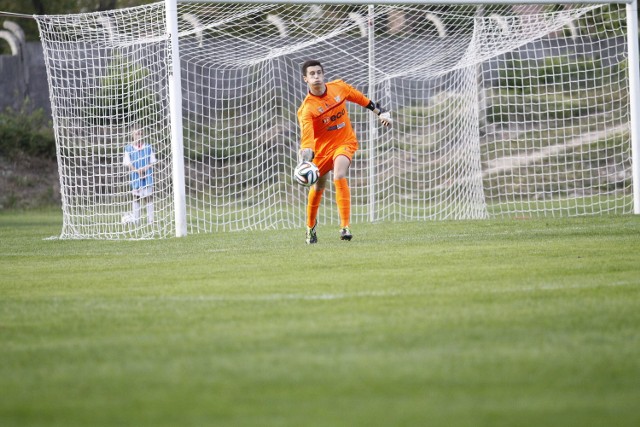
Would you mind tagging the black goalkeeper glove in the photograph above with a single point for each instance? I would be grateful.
(380, 109)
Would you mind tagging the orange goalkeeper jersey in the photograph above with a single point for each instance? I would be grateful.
(324, 121)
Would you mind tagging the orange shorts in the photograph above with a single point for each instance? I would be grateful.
(325, 161)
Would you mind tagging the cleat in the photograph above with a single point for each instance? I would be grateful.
(312, 237)
(345, 234)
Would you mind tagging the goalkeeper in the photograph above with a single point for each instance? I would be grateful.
(139, 158)
(329, 141)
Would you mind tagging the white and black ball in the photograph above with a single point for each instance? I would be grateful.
(306, 173)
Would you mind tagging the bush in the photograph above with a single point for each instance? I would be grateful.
(123, 94)
(26, 131)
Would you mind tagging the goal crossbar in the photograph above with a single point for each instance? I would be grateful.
(405, 2)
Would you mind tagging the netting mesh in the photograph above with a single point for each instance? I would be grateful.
(499, 111)
(108, 74)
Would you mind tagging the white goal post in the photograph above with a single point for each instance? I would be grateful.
(501, 109)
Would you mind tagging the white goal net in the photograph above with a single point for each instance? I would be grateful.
(499, 111)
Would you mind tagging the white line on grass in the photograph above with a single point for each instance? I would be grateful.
(556, 287)
(368, 294)
(283, 297)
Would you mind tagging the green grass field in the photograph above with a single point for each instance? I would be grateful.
(472, 323)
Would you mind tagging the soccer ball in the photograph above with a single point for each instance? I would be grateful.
(306, 173)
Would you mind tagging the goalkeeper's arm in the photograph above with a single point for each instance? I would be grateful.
(385, 116)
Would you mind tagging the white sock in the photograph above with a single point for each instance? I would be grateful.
(136, 211)
(150, 212)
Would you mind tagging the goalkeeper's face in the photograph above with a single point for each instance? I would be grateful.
(315, 78)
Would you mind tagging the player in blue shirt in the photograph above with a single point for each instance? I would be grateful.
(139, 158)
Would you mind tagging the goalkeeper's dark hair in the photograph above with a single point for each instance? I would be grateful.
(310, 63)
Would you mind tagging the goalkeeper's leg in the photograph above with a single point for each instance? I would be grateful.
(343, 200)
(343, 195)
(313, 204)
